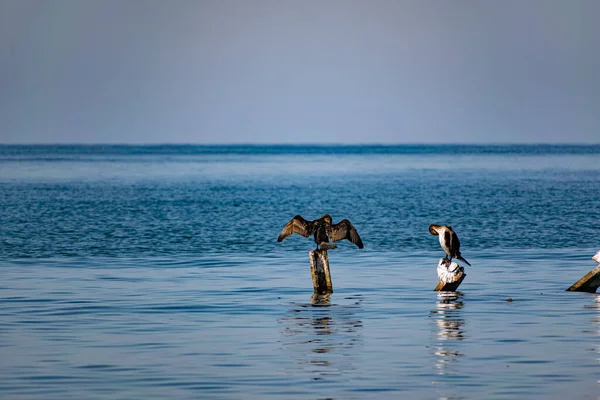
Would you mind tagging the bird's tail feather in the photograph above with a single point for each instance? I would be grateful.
(462, 259)
(327, 246)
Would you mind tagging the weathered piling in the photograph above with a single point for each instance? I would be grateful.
(589, 283)
(320, 300)
(319, 269)
(450, 275)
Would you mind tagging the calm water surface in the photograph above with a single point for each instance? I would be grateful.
(153, 272)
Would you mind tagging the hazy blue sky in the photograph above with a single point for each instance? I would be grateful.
(145, 71)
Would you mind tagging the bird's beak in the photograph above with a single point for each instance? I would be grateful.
(433, 229)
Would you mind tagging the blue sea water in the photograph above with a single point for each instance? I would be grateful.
(154, 272)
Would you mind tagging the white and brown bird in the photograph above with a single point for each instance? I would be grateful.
(323, 230)
(597, 257)
(448, 240)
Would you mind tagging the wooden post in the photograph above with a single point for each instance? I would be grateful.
(589, 283)
(320, 300)
(319, 269)
(450, 275)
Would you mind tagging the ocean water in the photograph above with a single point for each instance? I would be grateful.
(140, 272)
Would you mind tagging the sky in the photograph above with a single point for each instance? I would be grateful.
(282, 71)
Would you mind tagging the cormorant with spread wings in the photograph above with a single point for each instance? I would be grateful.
(323, 230)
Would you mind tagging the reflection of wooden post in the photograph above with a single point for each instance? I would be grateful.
(450, 275)
(589, 283)
(319, 269)
(320, 300)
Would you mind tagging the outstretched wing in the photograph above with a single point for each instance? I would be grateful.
(344, 230)
(297, 225)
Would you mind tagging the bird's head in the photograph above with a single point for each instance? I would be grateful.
(326, 218)
(433, 229)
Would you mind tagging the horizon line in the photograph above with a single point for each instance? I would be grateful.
(276, 144)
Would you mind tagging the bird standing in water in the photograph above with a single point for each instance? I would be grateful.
(448, 240)
(323, 230)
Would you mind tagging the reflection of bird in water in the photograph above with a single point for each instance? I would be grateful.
(448, 240)
(449, 328)
(321, 337)
(595, 317)
(597, 257)
(322, 326)
(323, 230)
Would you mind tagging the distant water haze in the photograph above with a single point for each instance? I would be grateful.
(166, 200)
(269, 71)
